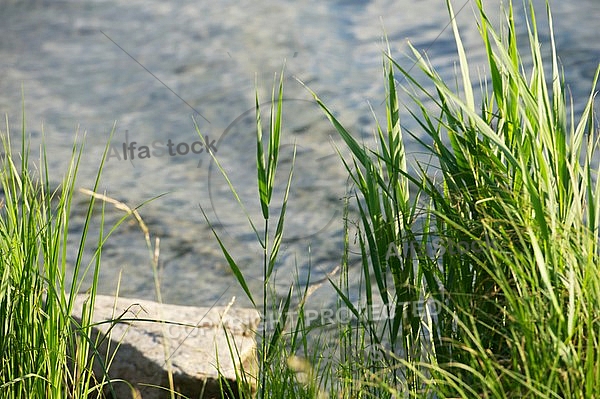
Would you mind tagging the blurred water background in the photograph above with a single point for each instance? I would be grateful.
(147, 67)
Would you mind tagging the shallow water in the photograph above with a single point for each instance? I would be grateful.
(148, 67)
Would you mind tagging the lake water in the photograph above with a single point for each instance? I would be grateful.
(148, 67)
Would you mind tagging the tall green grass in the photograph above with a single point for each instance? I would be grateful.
(516, 176)
(45, 352)
(520, 173)
(499, 232)
(277, 374)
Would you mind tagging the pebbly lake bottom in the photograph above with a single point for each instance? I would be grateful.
(75, 65)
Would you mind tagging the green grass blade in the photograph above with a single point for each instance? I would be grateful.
(232, 264)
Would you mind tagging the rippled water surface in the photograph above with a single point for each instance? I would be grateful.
(148, 67)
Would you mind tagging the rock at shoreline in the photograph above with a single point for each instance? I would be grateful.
(192, 342)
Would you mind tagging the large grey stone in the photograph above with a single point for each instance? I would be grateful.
(203, 347)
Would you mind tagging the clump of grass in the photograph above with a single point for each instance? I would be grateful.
(519, 176)
(389, 218)
(271, 352)
(45, 352)
(519, 314)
